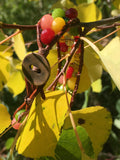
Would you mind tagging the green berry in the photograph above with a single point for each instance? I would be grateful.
(58, 12)
(17, 115)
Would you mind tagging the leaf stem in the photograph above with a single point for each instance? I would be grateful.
(72, 119)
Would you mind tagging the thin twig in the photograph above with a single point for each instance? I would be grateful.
(71, 117)
(3, 41)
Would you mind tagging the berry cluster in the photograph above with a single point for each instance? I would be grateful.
(52, 24)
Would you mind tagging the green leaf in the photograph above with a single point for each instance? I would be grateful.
(5, 120)
(97, 123)
(111, 61)
(9, 142)
(41, 132)
(19, 46)
(67, 146)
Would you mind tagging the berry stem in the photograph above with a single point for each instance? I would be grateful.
(81, 57)
(59, 64)
(66, 64)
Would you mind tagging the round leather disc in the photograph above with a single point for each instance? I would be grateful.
(36, 69)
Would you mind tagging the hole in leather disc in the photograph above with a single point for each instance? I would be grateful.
(35, 69)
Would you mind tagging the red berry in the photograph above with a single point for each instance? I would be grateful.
(63, 47)
(46, 21)
(15, 124)
(69, 72)
(47, 36)
(71, 13)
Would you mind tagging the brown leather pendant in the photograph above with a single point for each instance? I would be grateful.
(36, 69)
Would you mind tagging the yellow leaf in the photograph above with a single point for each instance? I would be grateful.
(41, 132)
(5, 51)
(4, 71)
(88, 12)
(117, 3)
(52, 58)
(92, 69)
(5, 120)
(63, 4)
(85, 81)
(111, 61)
(85, 1)
(97, 122)
(19, 46)
(16, 83)
(97, 86)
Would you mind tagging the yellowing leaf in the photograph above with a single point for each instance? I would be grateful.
(5, 51)
(16, 83)
(19, 46)
(4, 71)
(117, 3)
(64, 4)
(85, 1)
(5, 120)
(88, 12)
(52, 58)
(41, 132)
(97, 122)
(97, 86)
(85, 81)
(110, 59)
(92, 70)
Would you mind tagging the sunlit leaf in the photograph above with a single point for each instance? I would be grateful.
(92, 69)
(97, 122)
(64, 4)
(85, 1)
(4, 71)
(41, 132)
(67, 147)
(111, 61)
(97, 86)
(5, 51)
(52, 58)
(5, 120)
(19, 46)
(16, 83)
(88, 12)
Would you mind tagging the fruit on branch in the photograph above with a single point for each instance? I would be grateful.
(58, 24)
(36, 69)
(15, 124)
(47, 35)
(18, 114)
(58, 12)
(46, 21)
(71, 13)
(71, 82)
(63, 47)
(69, 72)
